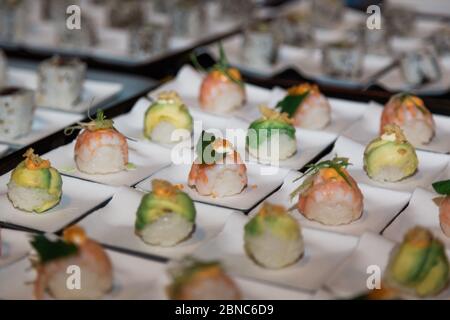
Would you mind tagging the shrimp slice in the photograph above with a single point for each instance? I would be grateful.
(444, 216)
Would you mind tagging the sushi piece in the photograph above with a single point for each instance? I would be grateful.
(273, 238)
(222, 90)
(272, 137)
(60, 82)
(100, 148)
(411, 115)
(34, 186)
(166, 216)
(16, 112)
(167, 114)
(420, 67)
(307, 106)
(390, 157)
(56, 256)
(3, 69)
(218, 169)
(343, 59)
(260, 46)
(329, 194)
(199, 280)
(419, 265)
(443, 188)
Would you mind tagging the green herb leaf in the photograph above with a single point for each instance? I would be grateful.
(290, 103)
(442, 187)
(51, 250)
(205, 151)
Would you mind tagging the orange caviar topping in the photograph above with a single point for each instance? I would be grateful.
(34, 162)
(232, 72)
(303, 88)
(75, 235)
(269, 209)
(163, 188)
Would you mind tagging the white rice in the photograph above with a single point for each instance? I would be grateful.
(27, 199)
(105, 159)
(316, 117)
(389, 173)
(223, 181)
(167, 231)
(93, 285)
(162, 132)
(418, 132)
(333, 211)
(225, 98)
(283, 148)
(273, 252)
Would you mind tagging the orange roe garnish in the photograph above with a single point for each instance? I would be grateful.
(269, 209)
(34, 162)
(303, 88)
(75, 235)
(163, 188)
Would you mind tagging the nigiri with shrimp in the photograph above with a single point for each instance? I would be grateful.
(54, 257)
(411, 115)
(443, 188)
(34, 186)
(328, 194)
(166, 215)
(165, 115)
(100, 148)
(307, 106)
(222, 89)
(272, 137)
(273, 238)
(218, 169)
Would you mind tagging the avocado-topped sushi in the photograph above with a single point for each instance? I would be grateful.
(272, 137)
(329, 194)
(273, 238)
(222, 89)
(390, 157)
(218, 169)
(165, 216)
(201, 280)
(100, 148)
(34, 184)
(307, 106)
(167, 114)
(56, 256)
(443, 188)
(17, 109)
(411, 115)
(60, 82)
(419, 265)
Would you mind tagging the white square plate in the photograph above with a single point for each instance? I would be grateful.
(14, 246)
(78, 198)
(376, 215)
(45, 123)
(3, 149)
(323, 252)
(262, 181)
(421, 211)
(430, 166)
(114, 225)
(146, 161)
(368, 128)
(133, 278)
(350, 278)
(94, 92)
